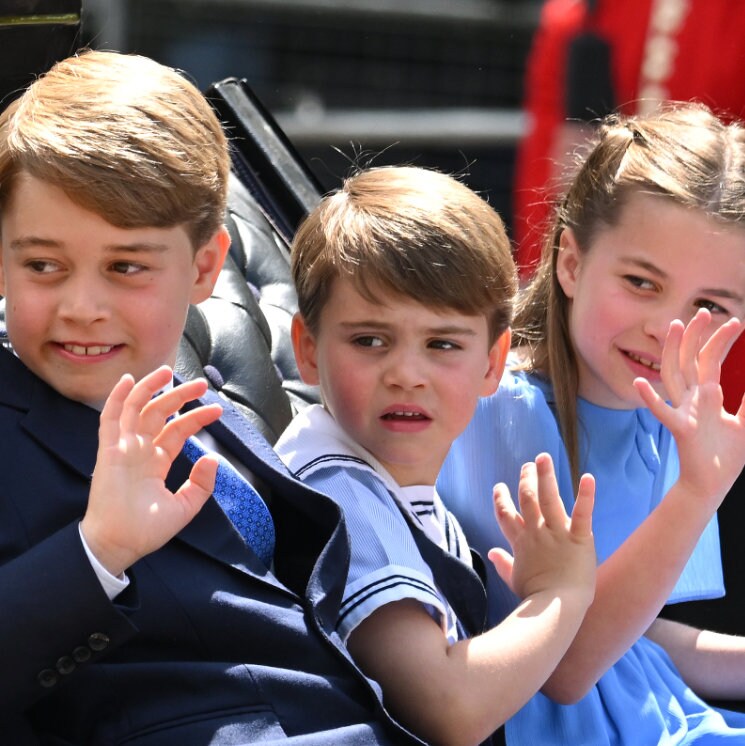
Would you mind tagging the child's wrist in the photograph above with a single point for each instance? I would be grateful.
(565, 604)
(698, 500)
(114, 561)
(579, 595)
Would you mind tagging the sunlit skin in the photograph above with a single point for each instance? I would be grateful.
(661, 262)
(400, 378)
(87, 301)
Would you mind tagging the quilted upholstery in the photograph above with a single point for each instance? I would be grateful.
(240, 337)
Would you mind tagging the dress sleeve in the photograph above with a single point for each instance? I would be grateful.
(702, 577)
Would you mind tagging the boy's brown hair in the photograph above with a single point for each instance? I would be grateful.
(123, 136)
(410, 231)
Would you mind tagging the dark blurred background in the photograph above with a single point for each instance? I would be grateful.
(429, 82)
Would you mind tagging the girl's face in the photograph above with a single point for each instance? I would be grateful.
(660, 262)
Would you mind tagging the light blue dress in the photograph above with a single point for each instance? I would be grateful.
(642, 699)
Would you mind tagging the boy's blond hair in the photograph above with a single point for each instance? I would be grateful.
(124, 137)
(412, 232)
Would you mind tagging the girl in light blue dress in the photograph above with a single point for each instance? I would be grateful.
(618, 342)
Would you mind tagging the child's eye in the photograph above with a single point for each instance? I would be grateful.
(368, 340)
(640, 283)
(444, 344)
(126, 268)
(42, 266)
(713, 308)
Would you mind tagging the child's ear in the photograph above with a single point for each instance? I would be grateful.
(208, 261)
(568, 262)
(304, 344)
(497, 359)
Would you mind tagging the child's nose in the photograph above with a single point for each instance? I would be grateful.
(83, 301)
(658, 323)
(404, 369)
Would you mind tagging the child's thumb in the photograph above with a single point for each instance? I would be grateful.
(503, 562)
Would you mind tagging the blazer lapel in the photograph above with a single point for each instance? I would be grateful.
(308, 523)
(212, 533)
(67, 429)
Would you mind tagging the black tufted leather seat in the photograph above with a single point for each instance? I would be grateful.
(240, 337)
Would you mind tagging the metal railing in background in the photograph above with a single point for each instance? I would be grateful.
(436, 82)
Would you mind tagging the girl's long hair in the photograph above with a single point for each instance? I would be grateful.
(683, 153)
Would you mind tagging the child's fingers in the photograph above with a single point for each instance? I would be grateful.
(108, 429)
(549, 500)
(503, 563)
(142, 392)
(176, 432)
(691, 344)
(716, 348)
(508, 519)
(527, 494)
(582, 512)
(672, 376)
(159, 408)
(204, 473)
(200, 485)
(652, 400)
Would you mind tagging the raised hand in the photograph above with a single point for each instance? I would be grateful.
(550, 550)
(711, 442)
(130, 510)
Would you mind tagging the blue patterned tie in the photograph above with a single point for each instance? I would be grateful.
(241, 503)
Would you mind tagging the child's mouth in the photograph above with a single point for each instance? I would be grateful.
(405, 416)
(91, 351)
(644, 361)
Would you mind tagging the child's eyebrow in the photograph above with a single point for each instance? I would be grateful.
(27, 241)
(138, 247)
(644, 264)
(722, 293)
(435, 331)
(452, 330)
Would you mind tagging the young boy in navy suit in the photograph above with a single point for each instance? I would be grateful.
(132, 609)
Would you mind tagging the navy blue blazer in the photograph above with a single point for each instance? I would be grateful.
(205, 646)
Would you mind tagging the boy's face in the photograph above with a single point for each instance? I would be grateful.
(87, 301)
(401, 379)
